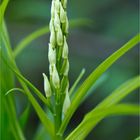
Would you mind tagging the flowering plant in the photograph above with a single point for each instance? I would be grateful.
(58, 97)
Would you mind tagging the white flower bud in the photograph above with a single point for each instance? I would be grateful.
(66, 69)
(52, 55)
(55, 77)
(65, 3)
(51, 69)
(53, 9)
(56, 21)
(47, 87)
(57, 5)
(66, 25)
(62, 14)
(52, 37)
(67, 103)
(59, 35)
(65, 49)
(51, 24)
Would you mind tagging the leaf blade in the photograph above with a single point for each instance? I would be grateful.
(94, 76)
(87, 125)
(108, 107)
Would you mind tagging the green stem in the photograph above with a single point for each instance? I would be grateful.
(58, 114)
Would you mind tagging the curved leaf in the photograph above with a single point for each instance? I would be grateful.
(3, 6)
(108, 107)
(85, 87)
(87, 125)
(40, 112)
(76, 82)
(14, 89)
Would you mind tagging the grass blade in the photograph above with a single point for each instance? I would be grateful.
(76, 82)
(36, 91)
(40, 112)
(87, 125)
(13, 90)
(85, 87)
(24, 116)
(3, 6)
(138, 138)
(119, 94)
(108, 107)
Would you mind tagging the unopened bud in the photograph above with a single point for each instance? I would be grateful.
(52, 37)
(67, 103)
(55, 78)
(59, 37)
(66, 71)
(52, 55)
(51, 24)
(53, 9)
(64, 2)
(62, 14)
(65, 49)
(57, 5)
(51, 69)
(56, 21)
(47, 87)
(66, 25)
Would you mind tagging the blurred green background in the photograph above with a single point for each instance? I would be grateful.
(114, 23)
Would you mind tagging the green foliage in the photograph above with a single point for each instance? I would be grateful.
(79, 95)
(107, 107)
(9, 71)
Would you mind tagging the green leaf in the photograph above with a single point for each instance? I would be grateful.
(44, 30)
(76, 82)
(125, 109)
(108, 107)
(8, 120)
(88, 83)
(119, 94)
(40, 112)
(12, 65)
(87, 125)
(97, 84)
(14, 89)
(36, 91)
(24, 116)
(138, 138)
(2, 10)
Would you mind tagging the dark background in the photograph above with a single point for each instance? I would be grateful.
(114, 23)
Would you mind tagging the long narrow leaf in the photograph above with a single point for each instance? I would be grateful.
(36, 91)
(76, 82)
(24, 116)
(13, 90)
(41, 114)
(119, 94)
(3, 6)
(87, 125)
(107, 107)
(85, 87)
(7, 109)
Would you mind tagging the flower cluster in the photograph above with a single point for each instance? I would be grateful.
(58, 53)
